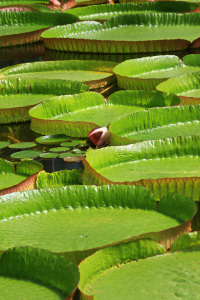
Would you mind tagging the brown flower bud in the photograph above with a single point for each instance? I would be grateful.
(100, 136)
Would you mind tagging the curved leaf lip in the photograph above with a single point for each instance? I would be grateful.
(27, 70)
(26, 168)
(23, 263)
(66, 42)
(130, 73)
(189, 186)
(187, 209)
(45, 20)
(18, 7)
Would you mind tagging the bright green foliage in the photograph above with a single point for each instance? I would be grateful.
(77, 115)
(156, 123)
(26, 154)
(162, 166)
(134, 33)
(22, 145)
(32, 273)
(87, 218)
(107, 11)
(61, 178)
(147, 72)
(8, 176)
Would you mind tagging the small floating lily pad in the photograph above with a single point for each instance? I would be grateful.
(59, 149)
(147, 72)
(4, 144)
(49, 155)
(68, 154)
(133, 33)
(32, 273)
(186, 87)
(22, 145)
(72, 159)
(76, 115)
(95, 74)
(162, 166)
(99, 216)
(52, 139)
(26, 154)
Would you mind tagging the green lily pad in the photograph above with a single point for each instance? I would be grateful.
(60, 178)
(26, 154)
(23, 179)
(96, 74)
(72, 143)
(22, 145)
(162, 166)
(72, 159)
(138, 266)
(32, 273)
(49, 155)
(59, 149)
(134, 33)
(147, 72)
(77, 115)
(52, 139)
(89, 2)
(4, 144)
(18, 95)
(79, 220)
(107, 11)
(156, 123)
(68, 154)
(186, 87)
(26, 27)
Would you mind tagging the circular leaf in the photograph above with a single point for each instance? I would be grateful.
(52, 139)
(4, 144)
(49, 155)
(22, 145)
(59, 149)
(26, 154)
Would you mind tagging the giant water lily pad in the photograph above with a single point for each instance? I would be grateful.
(79, 220)
(156, 123)
(60, 178)
(94, 73)
(77, 115)
(32, 273)
(26, 27)
(138, 266)
(146, 73)
(23, 179)
(162, 166)
(187, 87)
(133, 33)
(27, 2)
(17, 96)
(107, 11)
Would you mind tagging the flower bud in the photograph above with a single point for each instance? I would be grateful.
(100, 136)
(55, 2)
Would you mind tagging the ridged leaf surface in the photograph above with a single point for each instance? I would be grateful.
(186, 87)
(77, 115)
(25, 27)
(94, 73)
(32, 273)
(133, 33)
(18, 95)
(87, 218)
(146, 73)
(162, 166)
(156, 123)
(143, 272)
